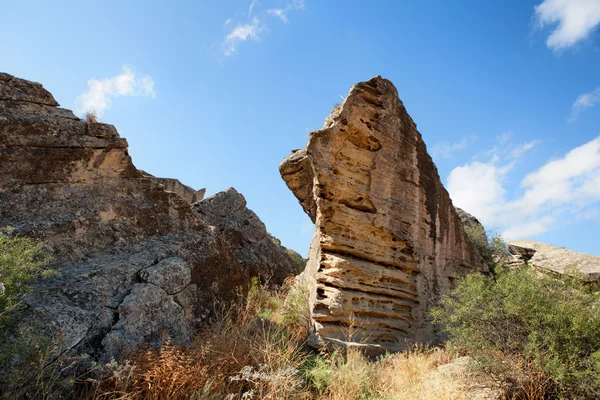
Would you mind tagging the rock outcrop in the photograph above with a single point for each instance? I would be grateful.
(135, 262)
(388, 241)
(174, 185)
(558, 260)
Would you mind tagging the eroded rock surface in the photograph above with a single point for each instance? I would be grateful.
(136, 263)
(174, 185)
(388, 241)
(555, 259)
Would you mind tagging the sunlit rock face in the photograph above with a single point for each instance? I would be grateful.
(388, 242)
(136, 262)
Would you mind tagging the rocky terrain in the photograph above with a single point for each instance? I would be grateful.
(136, 261)
(557, 260)
(388, 241)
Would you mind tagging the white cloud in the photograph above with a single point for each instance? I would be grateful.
(446, 149)
(567, 187)
(575, 20)
(279, 12)
(256, 24)
(100, 93)
(241, 33)
(251, 8)
(227, 22)
(477, 188)
(583, 102)
(529, 229)
(520, 150)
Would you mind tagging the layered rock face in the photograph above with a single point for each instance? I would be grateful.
(388, 241)
(554, 259)
(136, 262)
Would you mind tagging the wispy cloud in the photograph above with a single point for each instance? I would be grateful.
(239, 34)
(98, 97)
(574, 20)
(583, 102)
(446, 149)
(561, 190)
(279, 12)
(256, 24)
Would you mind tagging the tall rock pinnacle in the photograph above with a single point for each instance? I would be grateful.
(388, 241)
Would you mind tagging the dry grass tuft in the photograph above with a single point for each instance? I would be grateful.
(91, 117)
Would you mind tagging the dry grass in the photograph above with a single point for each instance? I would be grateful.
(91, 117)
(244, 356)
(258, 353)
(416, 375)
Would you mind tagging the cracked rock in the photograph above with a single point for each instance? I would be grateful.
(171, 274)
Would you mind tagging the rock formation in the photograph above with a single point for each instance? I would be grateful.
(388, 241)
(554, 259)
(174, 185)
(136, 263)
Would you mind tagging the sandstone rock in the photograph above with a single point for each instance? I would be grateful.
(555, 259)
(136, 264)
(173, 185)
(388, 242)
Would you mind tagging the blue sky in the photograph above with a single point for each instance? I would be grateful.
(505, 93)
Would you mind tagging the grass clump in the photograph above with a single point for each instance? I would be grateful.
(528, 330)
(91, 117)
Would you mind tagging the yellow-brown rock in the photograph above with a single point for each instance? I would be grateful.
(388, 242)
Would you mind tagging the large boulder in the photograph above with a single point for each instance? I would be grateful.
(558, 260)
(388, 242)
(136, 264)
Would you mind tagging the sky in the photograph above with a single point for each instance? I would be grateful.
(506, 93)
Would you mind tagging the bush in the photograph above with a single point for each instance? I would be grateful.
(490, 245)
(23, 354)
(522, 326)
(22, 260)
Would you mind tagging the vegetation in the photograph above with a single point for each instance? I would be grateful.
(91, 117)
(490, 245)
(535, 334)
(258, 352)
(22, 260)
(532, 335)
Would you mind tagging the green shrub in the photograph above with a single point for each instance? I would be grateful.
(22, 351)
(22, 260)
(521, 317)
(490, 245)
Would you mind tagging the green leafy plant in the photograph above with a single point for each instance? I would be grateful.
(490, 245)
(22, 261)
(23, 354)
(521, 325)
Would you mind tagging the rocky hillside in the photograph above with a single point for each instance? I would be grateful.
(136, 261)
(388, 241)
